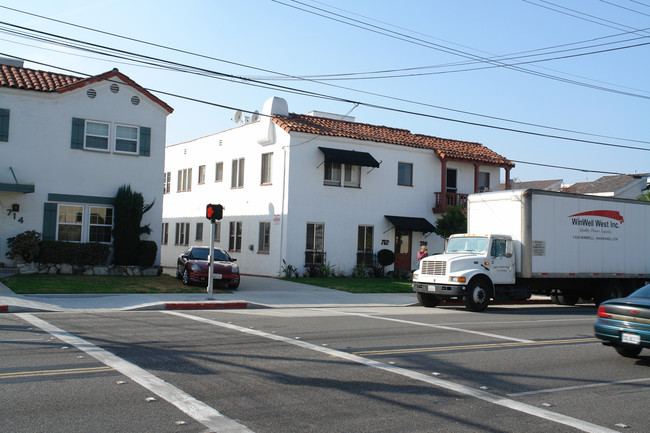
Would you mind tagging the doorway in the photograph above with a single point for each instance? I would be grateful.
(402, 250)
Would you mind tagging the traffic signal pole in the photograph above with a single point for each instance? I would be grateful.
(212, 212)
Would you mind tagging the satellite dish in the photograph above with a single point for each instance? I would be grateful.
(256, 116)
(237, 118)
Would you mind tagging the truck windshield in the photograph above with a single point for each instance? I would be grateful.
(467, 244)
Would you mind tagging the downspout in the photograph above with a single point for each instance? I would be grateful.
(443, 183)
(476, 178)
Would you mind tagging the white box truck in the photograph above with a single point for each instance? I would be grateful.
(521, 242)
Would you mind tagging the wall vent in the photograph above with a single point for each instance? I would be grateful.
(135, 100)
(115, 88)
(91, 93)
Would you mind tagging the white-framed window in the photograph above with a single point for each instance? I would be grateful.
(182, 236)
(314, 246)
(265, 237)
(405, 173)
(198, 235)
(267, 159)
(483, 181)
(184, 180)
(165, 234)
(234, 242)
(218, 172)
(352, 176)
(126, 139)
(84, 223)
(96, 135)
(332, 173)
(237, 177)
(217, 231)
(201, 174)
(167, 182)
(365, 253)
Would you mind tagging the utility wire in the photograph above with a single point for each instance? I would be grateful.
(340, 87)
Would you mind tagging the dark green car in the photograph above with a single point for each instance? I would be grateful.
(624, 323)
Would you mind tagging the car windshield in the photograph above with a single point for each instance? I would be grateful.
(643, 292)
(202, 254)
(467, 244)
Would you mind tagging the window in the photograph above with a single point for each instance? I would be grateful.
(217, 231)
(452, 185)
(126, 139)
(167, 182)
(266, 168)
(201, 174)
(101, 224)
(4, 124)
(198, 236)
(405, 173)
(165, 234)
(96, 135)
(84, 223)
(365, 254)
(352, 175)
(483, 182)
(182, 234)
(237, 179)
(234, 243)
(184, 180)
(218, 175)
(332, 173)
(314, 252)
(265, 237)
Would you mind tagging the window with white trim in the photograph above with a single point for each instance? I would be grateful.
(126, 139)
(217, 231)
(314, 248)
(198, 236)
(237, 177)
(182, 234)
(165, 234)
(332, 173)
(267, 158)
(201, 174)
(184, 180)
(167, 182)
(405, 173)
(97, 135)
(84, 223)
(265, 237)
(218, 172)
(234, 242)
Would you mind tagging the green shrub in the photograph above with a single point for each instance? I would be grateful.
(129, 208)
(385, 257)
(73, 253)
(25, 245)
(147, 251)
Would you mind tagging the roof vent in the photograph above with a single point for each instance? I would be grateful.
(135, 100)
(115, 88)
(91, 93)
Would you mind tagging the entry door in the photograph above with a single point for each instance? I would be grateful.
(402, 250)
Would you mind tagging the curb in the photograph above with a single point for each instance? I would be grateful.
(4, 308)
(204, 305)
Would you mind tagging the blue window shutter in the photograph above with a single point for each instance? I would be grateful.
(77, 133)
(4, 124)
(145, 141)
(49, 221)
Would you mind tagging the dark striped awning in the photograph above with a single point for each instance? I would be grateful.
(350, 157)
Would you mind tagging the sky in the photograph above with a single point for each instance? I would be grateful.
(560, 87)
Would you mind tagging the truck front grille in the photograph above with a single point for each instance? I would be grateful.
(433, 268)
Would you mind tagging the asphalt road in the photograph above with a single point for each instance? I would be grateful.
(388, 369)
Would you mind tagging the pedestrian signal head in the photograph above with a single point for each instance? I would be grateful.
(214, 212)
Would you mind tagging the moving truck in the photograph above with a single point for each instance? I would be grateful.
(523, 242)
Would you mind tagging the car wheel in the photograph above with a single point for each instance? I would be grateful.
(628, 351)
(233, 285)
(428, 299)
(186, 277)
(478, 295)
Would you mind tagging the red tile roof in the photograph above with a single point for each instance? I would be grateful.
(18, 77)
(444, 148)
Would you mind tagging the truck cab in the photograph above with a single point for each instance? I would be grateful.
(472, 268)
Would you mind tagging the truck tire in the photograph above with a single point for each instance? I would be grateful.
(478, 295)
(628, 351)
(428, 299)
(561, 297)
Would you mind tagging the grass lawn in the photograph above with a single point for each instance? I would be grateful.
(358, 285)
(60, 284)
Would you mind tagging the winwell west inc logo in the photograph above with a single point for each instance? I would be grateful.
(598, 225)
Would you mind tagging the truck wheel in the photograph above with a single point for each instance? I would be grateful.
(628, 351)
(428, 299)
(478, 295)
(560, 297)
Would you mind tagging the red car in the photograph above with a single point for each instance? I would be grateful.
(193, 266)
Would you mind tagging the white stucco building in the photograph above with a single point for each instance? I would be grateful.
(317, 188)
(67, 144)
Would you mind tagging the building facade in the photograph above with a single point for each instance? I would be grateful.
(67, 144)
(317, 189)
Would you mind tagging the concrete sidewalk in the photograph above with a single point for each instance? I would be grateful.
(253, 292)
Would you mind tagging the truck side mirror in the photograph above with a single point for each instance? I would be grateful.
(509, 249)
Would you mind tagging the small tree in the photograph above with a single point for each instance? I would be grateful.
(129, 209)
(385, 258)
(25, 245)
(453, 221)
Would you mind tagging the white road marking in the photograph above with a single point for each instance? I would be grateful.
(429, 325)
(458, 388)
(572, 388)
(194, 408)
